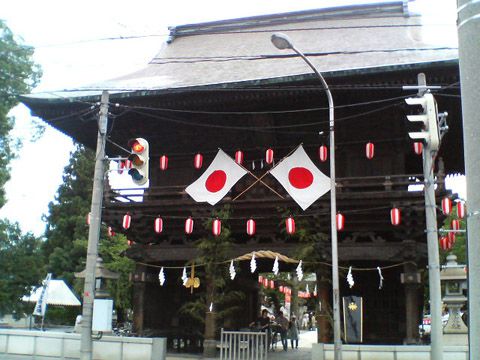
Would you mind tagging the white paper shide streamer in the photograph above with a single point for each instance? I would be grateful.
(233, 273)
(161, 277)
(299, 271)
(211, 307)
(184, 276)
(380, 284)
(253, 264)
(275, 266)
(350, 278)
(307, 289)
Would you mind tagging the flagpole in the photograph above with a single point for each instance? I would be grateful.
(281, 41)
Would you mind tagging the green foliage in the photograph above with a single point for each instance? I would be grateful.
(18, 74)
(21, 267)
(213, 255)
(67, 231)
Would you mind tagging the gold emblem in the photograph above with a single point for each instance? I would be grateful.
(352, 306)
(192, 282)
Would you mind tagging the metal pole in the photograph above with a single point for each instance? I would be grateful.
(436, 335)
(94, 232)
(337, 341)
(469, 56)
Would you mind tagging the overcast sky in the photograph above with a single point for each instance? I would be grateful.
(63, 32)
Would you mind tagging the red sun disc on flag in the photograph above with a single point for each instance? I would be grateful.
(216, 181)
(300, 177)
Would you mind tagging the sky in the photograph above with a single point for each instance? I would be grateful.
(66, 36)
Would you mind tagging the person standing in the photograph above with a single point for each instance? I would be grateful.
(293, 331)
(283, 323)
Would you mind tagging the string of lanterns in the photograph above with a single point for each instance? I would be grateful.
(269, 157)
(447, 241)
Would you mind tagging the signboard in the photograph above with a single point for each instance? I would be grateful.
(353, 319)
(102, 315)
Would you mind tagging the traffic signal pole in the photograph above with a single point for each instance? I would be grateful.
(94, 232)
(436, 335)
(468, 25)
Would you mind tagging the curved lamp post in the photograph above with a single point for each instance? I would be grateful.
(282, 42)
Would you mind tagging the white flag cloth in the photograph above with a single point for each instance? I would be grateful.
(217, 180)
(41, 306)
(301, 178)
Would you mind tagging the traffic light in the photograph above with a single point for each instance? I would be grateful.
(429, 118)
(139, 158)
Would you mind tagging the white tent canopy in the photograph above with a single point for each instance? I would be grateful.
(58, 293)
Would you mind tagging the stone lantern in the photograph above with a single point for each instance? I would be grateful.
(454, 277)
(101, 274)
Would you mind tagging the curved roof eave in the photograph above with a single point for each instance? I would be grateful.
(88, 95)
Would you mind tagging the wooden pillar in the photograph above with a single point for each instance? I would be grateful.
(209, 343)
(411, 279)
(323, 311)
(138, 299)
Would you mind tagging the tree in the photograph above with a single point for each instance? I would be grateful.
(18, 75)
(67, 231)
(21, 267)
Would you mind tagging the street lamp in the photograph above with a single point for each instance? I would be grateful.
(282, 42)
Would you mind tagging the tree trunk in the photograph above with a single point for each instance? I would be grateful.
(323, 310)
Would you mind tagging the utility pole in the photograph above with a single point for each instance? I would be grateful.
(94, 232)
(468, 25)
(436, 334)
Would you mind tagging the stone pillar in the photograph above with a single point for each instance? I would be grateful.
(138, 298)
(411, 279)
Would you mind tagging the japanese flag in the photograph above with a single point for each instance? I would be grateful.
(217, 180)
(301, 178)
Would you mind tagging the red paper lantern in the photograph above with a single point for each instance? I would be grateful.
(158, 225)
(272, 284)
(340, 222)
(418, 148)
(370, 150)
(269, 156)
(395, 216)
(323, 153)
(239, 157)
(290, 225)
(120, 166)
(163, 162)
(260, 279)
(280, 288)
(446, 206)
(198, 161)
(445, 243)
(127, 219)
(128, 164)
(265, 282)
(188, 226)
(455, 224)
(451, 237)
(216, 227)
(251, 227)
(460, 209)
(89, 215)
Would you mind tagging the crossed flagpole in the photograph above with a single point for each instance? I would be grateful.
(259, 179)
